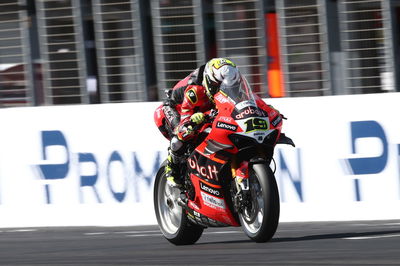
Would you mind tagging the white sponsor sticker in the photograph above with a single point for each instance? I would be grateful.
(212, 201)
(244, 104)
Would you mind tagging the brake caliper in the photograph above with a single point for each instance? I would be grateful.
(242, 197)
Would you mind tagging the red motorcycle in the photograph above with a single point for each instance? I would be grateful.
(227, 180)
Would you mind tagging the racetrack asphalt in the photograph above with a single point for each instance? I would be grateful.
(305, 243)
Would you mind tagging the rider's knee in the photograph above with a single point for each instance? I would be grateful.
(176, 145)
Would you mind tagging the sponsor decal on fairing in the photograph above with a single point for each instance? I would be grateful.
(221, 98)
(212, 202)
(213, 191)
(249, 111)
(276, 120)
(245, 104)
(208, 171)
(226, 126)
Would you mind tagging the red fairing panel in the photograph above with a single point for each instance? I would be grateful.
(209, 201)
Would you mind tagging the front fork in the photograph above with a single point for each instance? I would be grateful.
(240, 174)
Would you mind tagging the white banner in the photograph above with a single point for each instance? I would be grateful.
(95, 164)
(346, 162)
(79, 165)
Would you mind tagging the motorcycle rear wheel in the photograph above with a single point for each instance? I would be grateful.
(260, 220)
(171, 218)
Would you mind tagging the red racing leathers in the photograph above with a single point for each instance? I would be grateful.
(173, 116)
(195, 100)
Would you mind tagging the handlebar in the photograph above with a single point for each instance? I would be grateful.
(208, 118)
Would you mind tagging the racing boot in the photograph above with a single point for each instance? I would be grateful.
(171, 170)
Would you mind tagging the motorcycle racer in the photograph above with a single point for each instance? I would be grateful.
(186, 103)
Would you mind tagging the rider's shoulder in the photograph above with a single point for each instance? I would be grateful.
(194, 93)
(196, 77)
(195, 88)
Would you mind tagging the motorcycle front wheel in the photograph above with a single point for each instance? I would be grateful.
(261, 217)
(171, 218)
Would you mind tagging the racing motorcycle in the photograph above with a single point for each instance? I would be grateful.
(227, 179)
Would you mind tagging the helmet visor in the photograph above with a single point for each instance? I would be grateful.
(211, 86)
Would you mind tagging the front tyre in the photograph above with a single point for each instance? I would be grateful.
(171, 218)
(261, 217)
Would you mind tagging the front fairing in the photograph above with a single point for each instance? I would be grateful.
(244, 113)
(238, 133)
(252, 120)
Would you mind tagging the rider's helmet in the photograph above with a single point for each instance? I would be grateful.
(216, 71)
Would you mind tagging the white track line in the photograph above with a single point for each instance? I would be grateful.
(370, 237)
(374, 225)
(20, 230)
(137, 232)
(95, 233)
(141, 235)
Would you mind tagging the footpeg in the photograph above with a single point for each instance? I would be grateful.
(182, 201)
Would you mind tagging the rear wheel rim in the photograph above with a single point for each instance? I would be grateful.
(169, 211)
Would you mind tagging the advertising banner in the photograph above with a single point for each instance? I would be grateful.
(95, 164)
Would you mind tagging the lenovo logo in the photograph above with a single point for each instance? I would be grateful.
(226, 126)
(210, 190)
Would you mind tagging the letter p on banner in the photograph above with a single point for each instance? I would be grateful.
(373, 164)
(54, 170)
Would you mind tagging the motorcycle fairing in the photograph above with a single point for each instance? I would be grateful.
(245, 128)
(204, 168)
(248, 111)
(200, 219)
(257, 128)
(209, 200)
(210, 205)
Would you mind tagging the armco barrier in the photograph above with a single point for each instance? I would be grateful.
(95, 164)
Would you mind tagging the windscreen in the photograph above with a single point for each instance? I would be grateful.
(240, 92)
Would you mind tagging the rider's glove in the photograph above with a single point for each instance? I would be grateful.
(197, 118)
(189, 130)
(185, 132)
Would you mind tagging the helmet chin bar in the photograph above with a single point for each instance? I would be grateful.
(210, 96)
(211, 89)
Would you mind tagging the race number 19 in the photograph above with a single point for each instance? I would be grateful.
(256, 124)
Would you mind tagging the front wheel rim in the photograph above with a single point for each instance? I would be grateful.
(252, 219)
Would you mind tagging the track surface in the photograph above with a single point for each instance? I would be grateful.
(333, 243)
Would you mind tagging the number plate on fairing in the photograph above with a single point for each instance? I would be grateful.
(255, 127)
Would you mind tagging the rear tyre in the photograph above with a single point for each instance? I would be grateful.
(260, 219)
(171, 219)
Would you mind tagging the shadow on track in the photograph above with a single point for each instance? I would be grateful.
(225, 242)
(308, 238)
(334, 236)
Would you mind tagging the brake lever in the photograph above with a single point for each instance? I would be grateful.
(213, 113)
